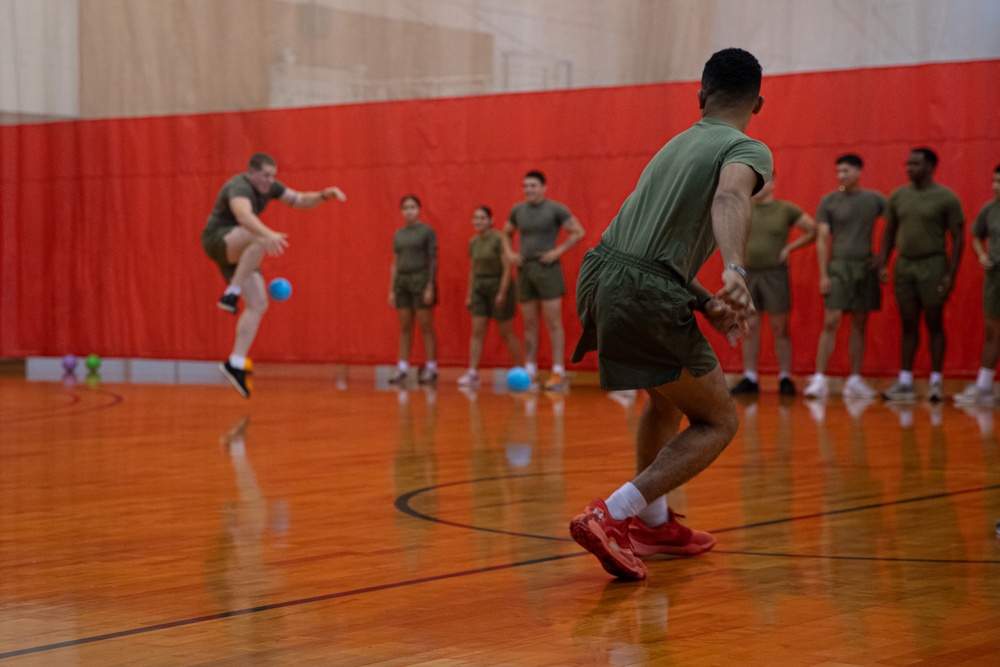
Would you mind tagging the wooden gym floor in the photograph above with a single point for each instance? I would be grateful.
(182, 525)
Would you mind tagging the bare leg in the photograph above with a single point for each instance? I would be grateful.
(856, 343)
(909, 315)
(934, 317)
(255, 298)
(479, 325)
(991, 346)
(245, 251)
(827, 338)
(713, 421)
(552, 311)
(510, 340)
(405, 333)
(425, 319)
(782, 341)
(530, 311)
(658, 426)
(751, 344)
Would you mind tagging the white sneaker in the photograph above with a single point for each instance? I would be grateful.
(470, 379)
(973, 394)
(934, 392)
(900, 392)
(818, 387)
(856, 388)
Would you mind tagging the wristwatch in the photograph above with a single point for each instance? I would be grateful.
(738, 269)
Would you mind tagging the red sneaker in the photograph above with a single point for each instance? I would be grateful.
(608, 539)
(670, 538)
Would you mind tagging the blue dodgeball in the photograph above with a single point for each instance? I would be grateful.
(280, 289)
(518, 379)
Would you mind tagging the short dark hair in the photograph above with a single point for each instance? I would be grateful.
(258, 160)
(416, 200)
(487, 210)
(997, 170)
(851, 159)
(732, 74)
(928, 154)
(537, 175)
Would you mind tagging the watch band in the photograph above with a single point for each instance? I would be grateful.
(738, 269)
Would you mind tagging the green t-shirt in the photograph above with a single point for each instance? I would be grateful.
(667, 218)
(923, 217)
(851, 218)
(415, 247)
(769, 227)
(987, 228)
(486, 252)
(240, 186)
(539, 225)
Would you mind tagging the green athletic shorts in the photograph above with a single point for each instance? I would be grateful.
(991, 294)
(213, 240)
(639, 317)
(409, 290)
(540, 282)
(854, 286)
(484, 294)
(918, 280)
(770, 290)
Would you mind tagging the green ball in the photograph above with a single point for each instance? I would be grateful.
(93, 362)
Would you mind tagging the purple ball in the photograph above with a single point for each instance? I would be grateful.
(69, 363)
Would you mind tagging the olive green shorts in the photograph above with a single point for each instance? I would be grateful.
(639, 317)
(409, 289)
(484, 295)
(854, 286)
(540, 282)
(213, 240)
(770, 290)
(991, 294)
(918, 280)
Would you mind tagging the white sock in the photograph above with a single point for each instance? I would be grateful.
(784, 375)
(532, 368)
(403, 366)
(906, 377)
(655, 513)
(473, 372)
(237, 361)
(985, 378)
(431, 365)
(936, 377)
(625, 502)
(750, 375)
(558, 368)
(820, 376)
(233, 289)
(854, 378)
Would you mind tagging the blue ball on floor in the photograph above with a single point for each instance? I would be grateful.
(518, 379)
(280, 289)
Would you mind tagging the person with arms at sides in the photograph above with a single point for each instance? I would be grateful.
(768, 249)
(848, 273)
(540, 283)
(919, 217)
(413, 289)
(237, 241)
(637, 296)
(490, 294)
(986, 229)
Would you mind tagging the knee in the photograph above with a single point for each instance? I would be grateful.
(831, 325)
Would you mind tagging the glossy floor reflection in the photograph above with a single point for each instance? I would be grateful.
(329, 523)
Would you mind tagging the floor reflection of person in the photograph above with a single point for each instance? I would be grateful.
(415, 467)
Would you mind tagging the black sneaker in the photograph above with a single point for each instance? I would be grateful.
(745, 386)
(239, 378)
(786, 387)
(427, 376)
(227, 302)
(399, 377)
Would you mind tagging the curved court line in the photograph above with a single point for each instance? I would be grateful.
(70, 411)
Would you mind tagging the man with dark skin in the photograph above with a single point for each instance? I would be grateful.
(919, 215)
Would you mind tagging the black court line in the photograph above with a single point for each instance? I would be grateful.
(279, 605)
(70, 410)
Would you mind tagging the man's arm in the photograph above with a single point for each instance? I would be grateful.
(306, 200)
(888, 244)
(957, 246)
(274, 242)
(808, 227)
(823, 255)
(575, 235)
(730, 225)
(509, 229)
(981, 254)
(392, 283)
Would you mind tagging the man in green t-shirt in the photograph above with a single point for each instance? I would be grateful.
(919, 216)
(237, 241)
(987, 228)
(848, 273)
(636, 298)
(768, 249)
(540, 283)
